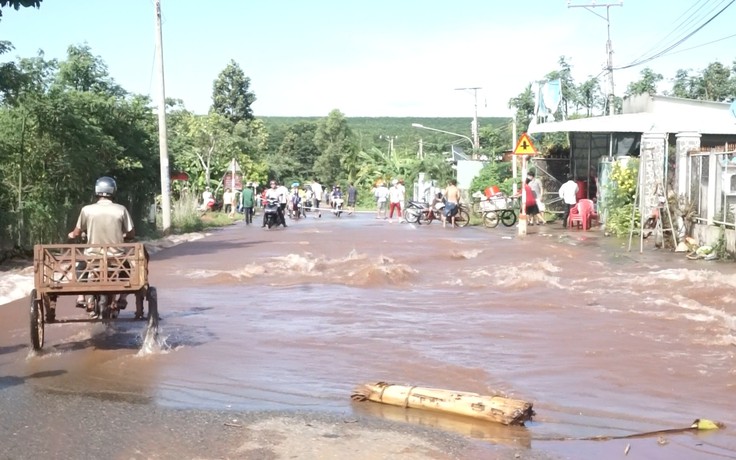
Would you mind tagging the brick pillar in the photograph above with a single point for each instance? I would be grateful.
(651, 191)
(686, 141)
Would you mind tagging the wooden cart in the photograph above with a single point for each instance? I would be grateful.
(86, 269)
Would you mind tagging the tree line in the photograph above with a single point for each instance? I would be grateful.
(64, 123)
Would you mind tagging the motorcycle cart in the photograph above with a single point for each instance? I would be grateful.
(87, 269)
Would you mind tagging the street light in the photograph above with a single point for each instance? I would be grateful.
(420, 126)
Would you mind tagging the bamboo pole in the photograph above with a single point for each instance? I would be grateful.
(495, 408)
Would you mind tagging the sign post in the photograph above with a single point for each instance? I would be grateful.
(524, 147)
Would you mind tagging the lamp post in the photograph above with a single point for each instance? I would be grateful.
(474, 124)
(421, 126)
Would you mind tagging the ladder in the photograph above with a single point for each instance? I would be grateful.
(653, 221)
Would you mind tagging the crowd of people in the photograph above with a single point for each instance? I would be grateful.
(294, 201)
(390, 199)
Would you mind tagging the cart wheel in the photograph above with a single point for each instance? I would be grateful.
(152, 308)
(139, 298)
(37, 321)
(462, 218)
(490, 219)
(508, 218)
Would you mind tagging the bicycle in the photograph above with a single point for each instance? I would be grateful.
(429, 215)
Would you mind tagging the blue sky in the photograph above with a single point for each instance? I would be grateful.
(377, 58)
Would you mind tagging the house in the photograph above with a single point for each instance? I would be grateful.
(649, 127)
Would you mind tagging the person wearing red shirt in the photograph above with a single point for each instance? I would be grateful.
(532, 209)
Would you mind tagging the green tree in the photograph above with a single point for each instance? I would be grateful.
(524, 105)
(16, 4)
(83, 71)
(567, 87)
(296, 154)
(231, 97)
(335, 141)
(590, 97)
(646, 84)
(683, 85)
(494, 173)
(55, 141)
(208, 147)
(716, 83)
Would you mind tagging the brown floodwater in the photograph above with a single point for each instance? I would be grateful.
(603, 341)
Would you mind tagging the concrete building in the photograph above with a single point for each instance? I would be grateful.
(649, 128)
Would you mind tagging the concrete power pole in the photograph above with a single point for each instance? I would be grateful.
(162, 142)
(474, 125)
(609, 47)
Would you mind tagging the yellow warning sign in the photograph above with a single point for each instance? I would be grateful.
(525, 146)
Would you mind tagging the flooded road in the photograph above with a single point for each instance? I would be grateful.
(601, 340)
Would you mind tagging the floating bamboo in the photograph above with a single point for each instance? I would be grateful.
(496, 408)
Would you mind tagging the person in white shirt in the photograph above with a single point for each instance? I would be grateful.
(317, 190)
(283, 194)
(568, 193)
(206, 197)
(227, 201)
(396, 197)
(381, 194)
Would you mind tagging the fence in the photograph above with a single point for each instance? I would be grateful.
(713, 186)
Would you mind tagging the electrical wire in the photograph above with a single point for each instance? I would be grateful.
(686, 27)
(678, 27)
(703, 44)
(677, 43)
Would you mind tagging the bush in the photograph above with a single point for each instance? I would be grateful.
(494, 173)
(619, 202)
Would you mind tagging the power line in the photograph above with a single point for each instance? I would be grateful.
(678, 27)
(677, 43)
(703, 44)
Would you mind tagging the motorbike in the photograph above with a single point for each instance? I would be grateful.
(337, 206)
(213, 205)
(271, 213)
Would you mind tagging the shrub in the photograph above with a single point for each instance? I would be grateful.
(619, 200)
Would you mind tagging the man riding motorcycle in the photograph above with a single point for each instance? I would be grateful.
(104, 222)
(274, 195)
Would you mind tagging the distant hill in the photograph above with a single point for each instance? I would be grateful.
(376, 131)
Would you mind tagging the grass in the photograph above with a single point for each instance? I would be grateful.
(186, 217)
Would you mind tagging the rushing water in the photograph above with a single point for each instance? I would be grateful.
(603, 341)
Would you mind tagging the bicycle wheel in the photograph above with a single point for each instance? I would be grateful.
(490, 219)
(508, 218)
(462, 218)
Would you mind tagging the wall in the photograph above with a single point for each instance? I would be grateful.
(708, 235)
(466, 172)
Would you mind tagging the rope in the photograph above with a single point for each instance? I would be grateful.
(408, 395)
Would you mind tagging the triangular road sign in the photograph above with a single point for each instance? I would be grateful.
(525, 146)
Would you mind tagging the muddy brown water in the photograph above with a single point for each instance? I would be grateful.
(603, 341)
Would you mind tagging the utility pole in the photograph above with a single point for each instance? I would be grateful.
(162, 142)
(390, 140)
(609, 47)
(474, 125)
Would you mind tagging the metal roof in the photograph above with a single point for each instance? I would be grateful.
(715, 122)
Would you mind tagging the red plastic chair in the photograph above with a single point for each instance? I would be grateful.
(583, 214)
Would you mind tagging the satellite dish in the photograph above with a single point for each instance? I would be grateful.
(733, 108)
